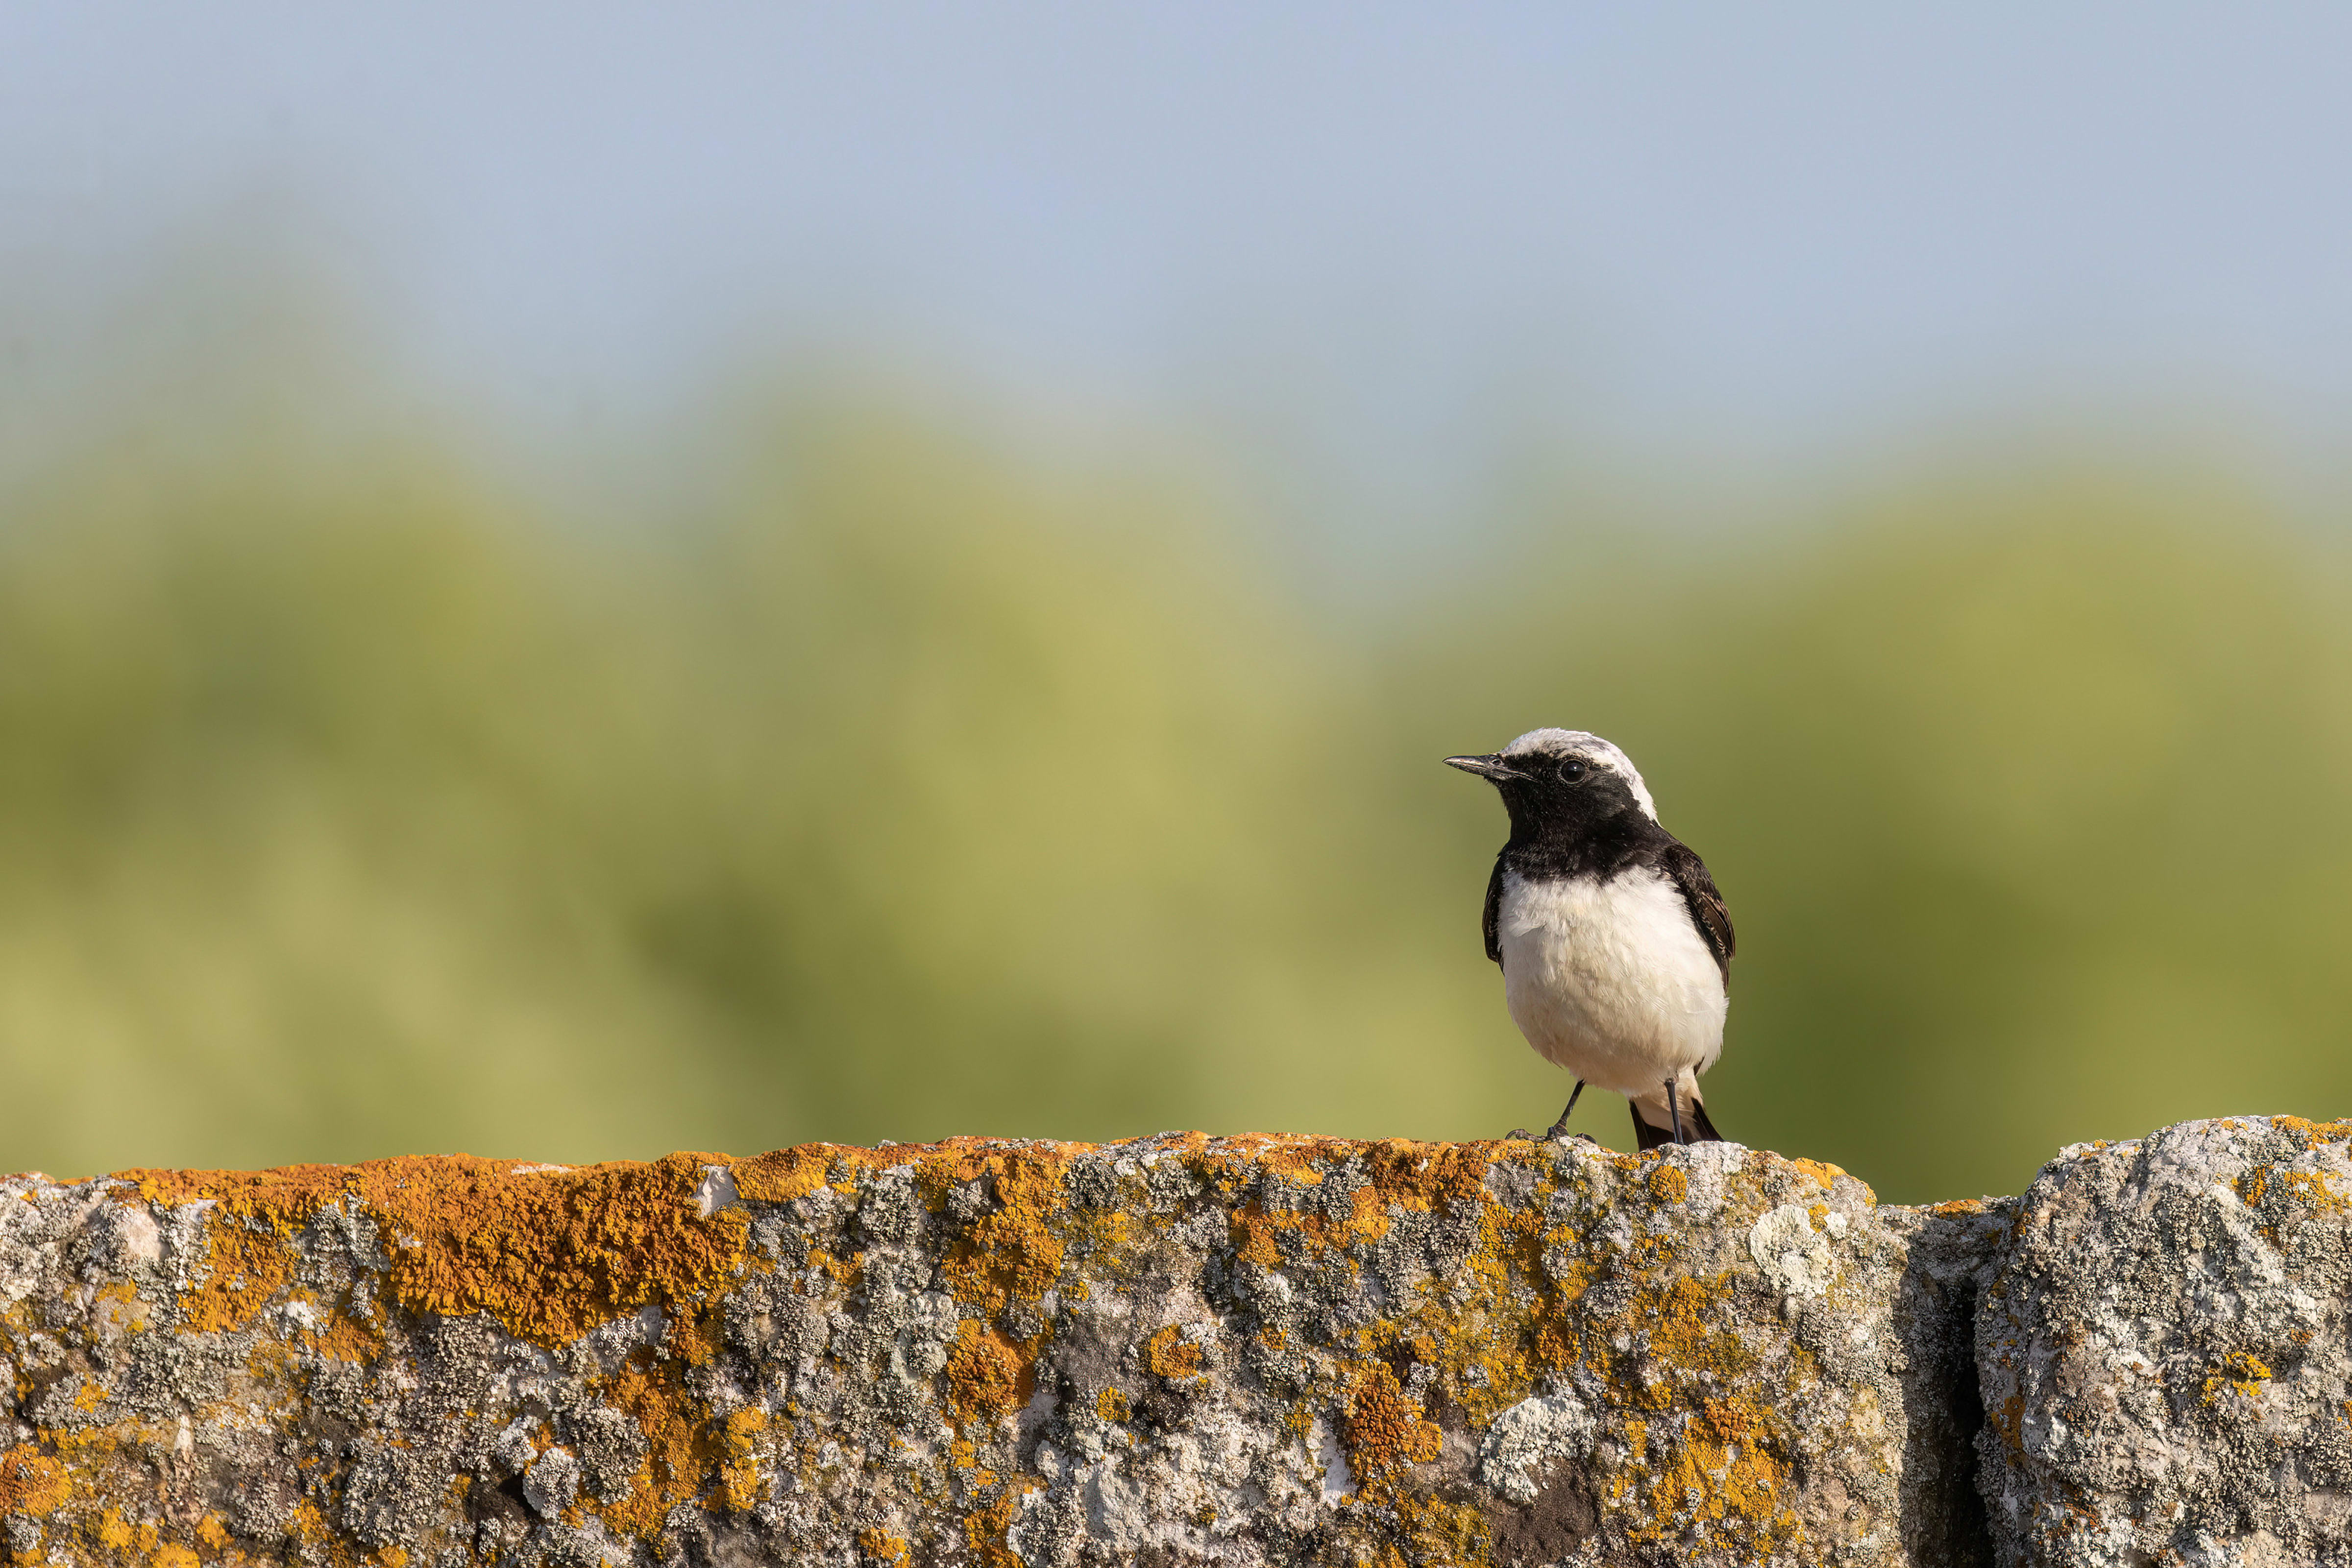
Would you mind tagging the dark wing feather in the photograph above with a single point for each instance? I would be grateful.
(1707, 911)
(1491, 919)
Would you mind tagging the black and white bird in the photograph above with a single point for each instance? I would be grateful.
(1615, 944)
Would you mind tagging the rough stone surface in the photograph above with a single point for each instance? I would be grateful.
(1168, 1352)
(1181, 1351)
(2166, 1350)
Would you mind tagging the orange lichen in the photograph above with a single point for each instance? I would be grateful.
(31, 1482)
(348, 1337)
(1111, 1405)
(1385, 1430)
(989, 1376)
(549, 1253)
(840, 1270)
(1820, 1170)
(1668, 1184)
(1424, 1176)
(1489, 1342)
(2311, 1135)
(788, 1173)
(116, 1304)
(1168, 1354)
(881, 1547)
(696, 1336)
(310, 1527)
(2009, 1420)
(246, 1264)
(1689, 1332)
(679, 1448)
(1253, 1239)
(1011, 1252)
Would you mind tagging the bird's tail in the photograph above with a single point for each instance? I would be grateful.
(1653, 1124)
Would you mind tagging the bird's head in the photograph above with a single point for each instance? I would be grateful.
(1561, 780)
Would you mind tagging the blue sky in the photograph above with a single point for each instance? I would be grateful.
(1367, 230)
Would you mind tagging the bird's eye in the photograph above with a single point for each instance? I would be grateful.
(1572, 770)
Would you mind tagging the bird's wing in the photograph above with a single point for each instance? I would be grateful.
(1491, 919)
(1706, 904)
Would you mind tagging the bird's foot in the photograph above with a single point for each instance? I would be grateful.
(1519, 1134)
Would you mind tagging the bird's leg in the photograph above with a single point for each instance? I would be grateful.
(1674, 1110)
(1561, 1125)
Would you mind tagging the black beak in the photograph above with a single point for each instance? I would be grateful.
(1488, 767)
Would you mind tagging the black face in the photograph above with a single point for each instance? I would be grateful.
(1550, 795)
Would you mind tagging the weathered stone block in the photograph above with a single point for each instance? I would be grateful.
(2165, 1351)
(1175, 1351)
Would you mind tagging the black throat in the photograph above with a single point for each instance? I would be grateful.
(1597, 832)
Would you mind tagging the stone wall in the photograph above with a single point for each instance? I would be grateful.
(1184, 1350)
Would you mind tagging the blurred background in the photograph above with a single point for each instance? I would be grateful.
(581, 582)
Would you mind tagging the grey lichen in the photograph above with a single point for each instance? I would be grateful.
(1531, 1438)
(2165, 1365)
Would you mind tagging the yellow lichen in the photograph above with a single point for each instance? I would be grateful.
(1437, 1532)
(739, 1475)
(2268, 1190)
(2239, 1372)
(116, 1304)
(1725, 1473)
(111, 1531)
(986, 1527)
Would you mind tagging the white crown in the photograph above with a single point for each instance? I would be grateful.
(1593, 749)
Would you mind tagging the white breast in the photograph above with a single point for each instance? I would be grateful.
(1609, 979)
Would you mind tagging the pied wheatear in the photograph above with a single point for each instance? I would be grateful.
(1616, 945)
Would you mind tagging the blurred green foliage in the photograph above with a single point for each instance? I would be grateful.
(349, 806)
